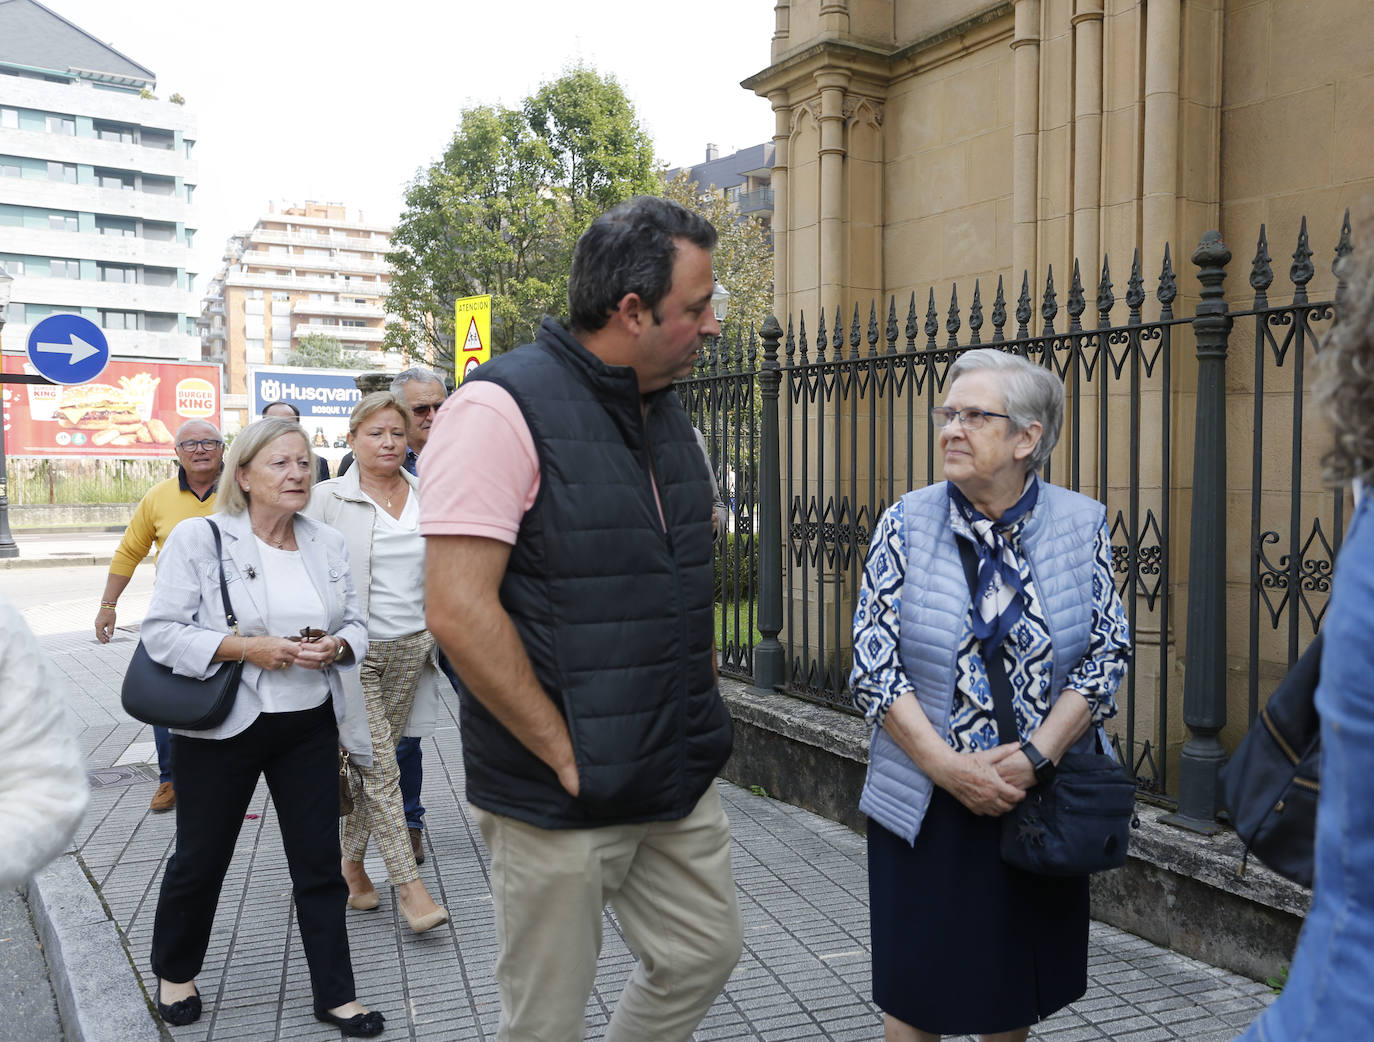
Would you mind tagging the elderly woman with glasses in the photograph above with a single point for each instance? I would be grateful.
(990, 572)
(298, 630)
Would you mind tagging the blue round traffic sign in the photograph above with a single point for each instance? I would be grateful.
(68, 349)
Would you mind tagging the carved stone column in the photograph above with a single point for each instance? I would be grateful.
(832, 84)
(1025, 149)
(1087, 131)
(1159, 187)
(782, 130)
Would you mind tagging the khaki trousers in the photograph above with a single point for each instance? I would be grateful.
(390, 675)
(673, 893)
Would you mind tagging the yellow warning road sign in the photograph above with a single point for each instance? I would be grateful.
(472, 329)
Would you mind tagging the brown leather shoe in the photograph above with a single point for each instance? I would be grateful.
(164, 799)
(417, 845)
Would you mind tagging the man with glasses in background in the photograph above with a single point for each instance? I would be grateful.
(200, 455)
(423, 392)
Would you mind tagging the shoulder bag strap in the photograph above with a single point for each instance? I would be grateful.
(992, 662)
(223, 584)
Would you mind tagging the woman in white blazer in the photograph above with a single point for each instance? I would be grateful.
(299, 633)
(375, 504)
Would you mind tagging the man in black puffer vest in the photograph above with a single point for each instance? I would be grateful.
(568, 516)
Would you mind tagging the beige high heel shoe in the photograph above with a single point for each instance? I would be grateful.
(428, 921)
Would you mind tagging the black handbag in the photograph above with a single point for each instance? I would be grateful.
(154, 694)
(1077, 823)
(1273, 780)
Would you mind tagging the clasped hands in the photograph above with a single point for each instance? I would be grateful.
(988, 782)
(312, 649)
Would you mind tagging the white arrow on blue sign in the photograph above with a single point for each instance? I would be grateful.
(68, 349)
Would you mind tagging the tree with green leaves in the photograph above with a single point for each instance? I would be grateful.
(603, 154)
(500, 212)
(318, 351)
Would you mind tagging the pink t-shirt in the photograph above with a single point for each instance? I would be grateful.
(479, 472)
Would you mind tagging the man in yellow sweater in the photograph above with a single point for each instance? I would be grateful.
(200, 454)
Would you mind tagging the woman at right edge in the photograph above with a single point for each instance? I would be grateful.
(964, 943)
(1328, 996)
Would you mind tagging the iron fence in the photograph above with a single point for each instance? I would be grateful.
(814, 435)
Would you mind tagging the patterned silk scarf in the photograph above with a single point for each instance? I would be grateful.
(999, 598)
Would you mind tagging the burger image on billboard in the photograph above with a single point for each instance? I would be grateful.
(97, 407)
(195, 398)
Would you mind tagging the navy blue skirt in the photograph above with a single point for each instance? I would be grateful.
(964, 944)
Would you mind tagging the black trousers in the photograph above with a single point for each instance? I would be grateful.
(215, 779)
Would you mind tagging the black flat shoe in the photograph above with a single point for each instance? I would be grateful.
(179, 1014)
(360, 1025)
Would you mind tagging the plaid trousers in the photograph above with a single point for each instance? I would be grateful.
(390, 675)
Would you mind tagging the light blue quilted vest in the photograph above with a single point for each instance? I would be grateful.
(1058, 541)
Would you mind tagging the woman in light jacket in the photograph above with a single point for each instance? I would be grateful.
(376, 507)
(964, 943)
(284, 573)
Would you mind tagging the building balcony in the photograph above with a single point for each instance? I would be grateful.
(91, 151)
(349, 310)
(753, 202)
(304, 262)
(306, 283)
(129, 343)
(118, 202)
(363, 334)
(83, 99)
(116, 296)
(276, 236)
(116, 249)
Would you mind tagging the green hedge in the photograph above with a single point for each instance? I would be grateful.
(736, 564)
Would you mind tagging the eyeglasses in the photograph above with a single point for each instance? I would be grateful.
(421, 411)
(971, 419)
(199, 443)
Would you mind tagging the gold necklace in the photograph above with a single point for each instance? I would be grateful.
(379, 496)
(278, 543)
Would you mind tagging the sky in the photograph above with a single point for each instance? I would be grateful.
(344, 101)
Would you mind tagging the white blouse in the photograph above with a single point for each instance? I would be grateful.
(396, 596)
(292, 602)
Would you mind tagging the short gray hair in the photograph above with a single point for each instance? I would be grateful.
(1034, 395)
(416, 372)
(247, 444)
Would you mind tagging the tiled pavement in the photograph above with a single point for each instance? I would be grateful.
(804, 973)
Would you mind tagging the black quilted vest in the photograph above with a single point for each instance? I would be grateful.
(615, 613)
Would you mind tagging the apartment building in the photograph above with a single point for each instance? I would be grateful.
(97, 184)
(745, 178)
(302, 270)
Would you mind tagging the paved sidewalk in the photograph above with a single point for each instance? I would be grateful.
(804, 973)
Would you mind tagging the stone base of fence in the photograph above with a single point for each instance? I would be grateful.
(1178, 889)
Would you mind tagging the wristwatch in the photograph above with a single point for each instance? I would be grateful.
(340, 650)
(1042, 765)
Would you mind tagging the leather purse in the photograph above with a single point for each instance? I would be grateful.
(1077, 822)
(350, 784)
(1272, 782)
(154, 694)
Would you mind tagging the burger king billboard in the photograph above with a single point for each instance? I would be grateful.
(133, 409)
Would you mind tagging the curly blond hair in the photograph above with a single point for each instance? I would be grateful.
(1344, 386)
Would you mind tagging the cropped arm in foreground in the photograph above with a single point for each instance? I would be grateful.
(43, 790)
(463, 610)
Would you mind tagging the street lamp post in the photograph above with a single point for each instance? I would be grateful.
(8, 547)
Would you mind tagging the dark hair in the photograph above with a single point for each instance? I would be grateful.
(630, 249)
(1345, 376)
(294, 411)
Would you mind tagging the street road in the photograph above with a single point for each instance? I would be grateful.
(75, 592)
(30, 1010)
